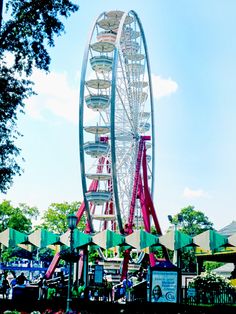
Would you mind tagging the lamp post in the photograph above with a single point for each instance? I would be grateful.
(72, 221)
(177, 253)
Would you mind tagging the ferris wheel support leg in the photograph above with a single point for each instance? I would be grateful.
(53, 265)
(135, 188)
(146, 218)
(79, 214)
(149, 209)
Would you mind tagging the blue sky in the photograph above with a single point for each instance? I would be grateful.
(192, 51)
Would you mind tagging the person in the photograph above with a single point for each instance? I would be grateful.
(51, 292)
(21, 279)
(81, 289)
(156, 294)
(12, 285)
(44, 289)
(75, 290)
(127, 284)
(40, 285)
(61, 284)
(96, 295)
(13, 282)
(5, 287)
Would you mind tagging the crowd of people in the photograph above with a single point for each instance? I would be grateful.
(9, 280)
(49, 289)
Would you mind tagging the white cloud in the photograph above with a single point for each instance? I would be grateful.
(189, 193)
(163, 87)
(55, 95)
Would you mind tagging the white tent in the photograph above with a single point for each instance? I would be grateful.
(224, 270)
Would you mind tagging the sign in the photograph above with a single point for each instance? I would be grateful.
(98, 274)
(164, 286)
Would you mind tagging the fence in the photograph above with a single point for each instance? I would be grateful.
(195, 297)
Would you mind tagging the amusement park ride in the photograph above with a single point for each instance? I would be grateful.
(116, 130)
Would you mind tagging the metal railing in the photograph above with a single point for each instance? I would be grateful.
(227, 296)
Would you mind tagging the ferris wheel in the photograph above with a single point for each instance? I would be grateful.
(116, 123)
(116, 131)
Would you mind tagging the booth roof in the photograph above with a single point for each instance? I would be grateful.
(229, 229)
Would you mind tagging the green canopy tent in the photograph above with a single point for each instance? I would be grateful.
(108, 239)
(212, 247)
(210, 240)
(11, 237)
(141, 239)
(175, 240)
(80, 239)
(42, 238)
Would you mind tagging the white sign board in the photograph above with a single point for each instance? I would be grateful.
(164, 286)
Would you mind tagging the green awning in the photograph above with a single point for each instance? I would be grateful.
(175, 240)
(80, 239)
(210, 240)
(11, 237)
(42, 238)
(141, 239)
(107, 239)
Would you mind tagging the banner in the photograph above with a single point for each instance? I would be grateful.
(164, 286)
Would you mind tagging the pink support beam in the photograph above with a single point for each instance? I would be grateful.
(93, 187)
(141, 190)
(129, 228)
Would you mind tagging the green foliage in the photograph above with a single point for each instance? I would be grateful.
(30, 28)
(18, 218)
(210, 282)
(13, 92)
(45, 254)
(194, 221)
(11, 254)
(55, 217)
(93, 254)
(188, 261)
(209, 266)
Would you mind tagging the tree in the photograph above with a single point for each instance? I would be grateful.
(18, 218)
(193, 221)
(25, 36)
(55, 217)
